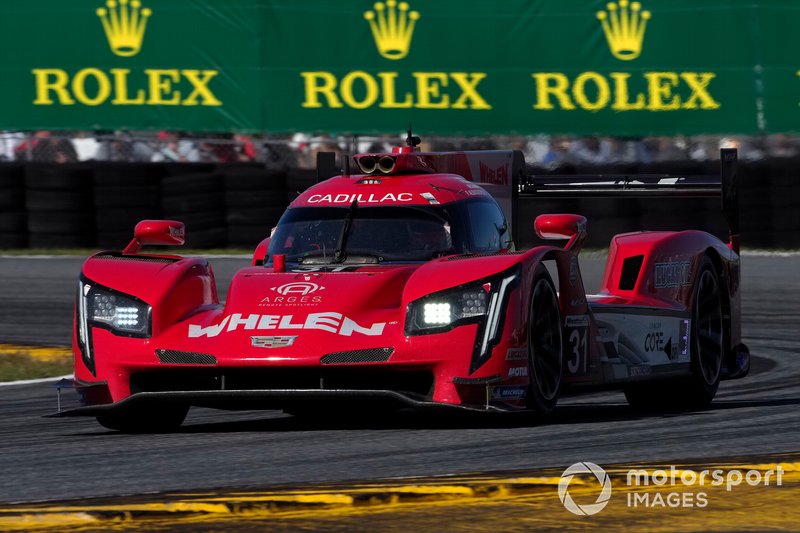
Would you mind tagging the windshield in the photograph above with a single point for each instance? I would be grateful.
(322, 235)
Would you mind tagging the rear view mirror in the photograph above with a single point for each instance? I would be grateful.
(159, 232)
(562, 226)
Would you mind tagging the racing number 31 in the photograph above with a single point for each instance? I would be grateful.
(578, 328)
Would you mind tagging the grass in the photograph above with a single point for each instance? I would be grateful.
(15, 367)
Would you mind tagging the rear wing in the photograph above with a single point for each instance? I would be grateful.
(725, 186)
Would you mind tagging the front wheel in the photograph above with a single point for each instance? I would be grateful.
(545, 357)
(161, 419)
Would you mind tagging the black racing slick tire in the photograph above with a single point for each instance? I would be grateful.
(708, 336)
(545, 355)
(163, 419)
(708, 341)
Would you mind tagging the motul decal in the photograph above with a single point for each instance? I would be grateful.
(361, 198)
(331, 322)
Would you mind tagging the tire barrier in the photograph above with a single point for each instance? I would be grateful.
(255, 199)
(13, 217)
(97, 204)
(58, 200)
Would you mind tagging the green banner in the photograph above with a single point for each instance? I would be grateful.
(449, 67)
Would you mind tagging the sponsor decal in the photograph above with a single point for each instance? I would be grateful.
(124, 23)
(361, 198)
(300, 288)
(577, 321)
(573, 271)
(494, 176)
(517, 354)
(272, 342)
(329, 321)
(508, 393)
(654, 342)
(430, 198)
(518, 372)
(673, 274)
(295, 294)
(290, 301)
(640, 370)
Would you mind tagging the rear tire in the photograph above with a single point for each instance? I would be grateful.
(545, 357)
(163, 419)
(708, 337)
(708, 341)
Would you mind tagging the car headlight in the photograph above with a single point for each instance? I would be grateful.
(447, 309)
(120, 313)
(475, 302)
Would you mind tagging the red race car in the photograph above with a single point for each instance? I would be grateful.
(399, 286)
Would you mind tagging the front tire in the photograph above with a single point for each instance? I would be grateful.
(545, 358)
(163, 419)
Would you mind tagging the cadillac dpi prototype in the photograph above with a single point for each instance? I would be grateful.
(398, 285)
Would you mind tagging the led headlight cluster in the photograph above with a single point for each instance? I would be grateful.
(461, 305)
(120, 313)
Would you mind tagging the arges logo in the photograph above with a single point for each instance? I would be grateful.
(584, 469)
(298, 288)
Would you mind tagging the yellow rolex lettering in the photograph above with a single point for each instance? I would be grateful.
(552, 84)
(468, 83)
(320, 84)
(429, 87)
(79, 86)
(199, 80)
(51, 80)
(388, 86)
(370, 86)
(659, 89)
(621, 98)
(698, 83)
(160, 83)
(121, 89)
(579, 91)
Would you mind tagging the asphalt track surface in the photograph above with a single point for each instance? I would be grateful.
(54, 459)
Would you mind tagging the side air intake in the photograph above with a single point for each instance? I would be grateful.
(372, 355)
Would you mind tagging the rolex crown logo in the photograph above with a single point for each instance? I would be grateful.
(624, 28)
(392, 26)
(124, 22)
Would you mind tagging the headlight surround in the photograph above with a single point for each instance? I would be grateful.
(120, 313)
(100, 307)
(445, 310)
(465, 304)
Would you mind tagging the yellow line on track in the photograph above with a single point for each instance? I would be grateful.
(45, 354)
(533, 499)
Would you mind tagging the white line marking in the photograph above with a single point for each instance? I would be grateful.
(33, 381)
